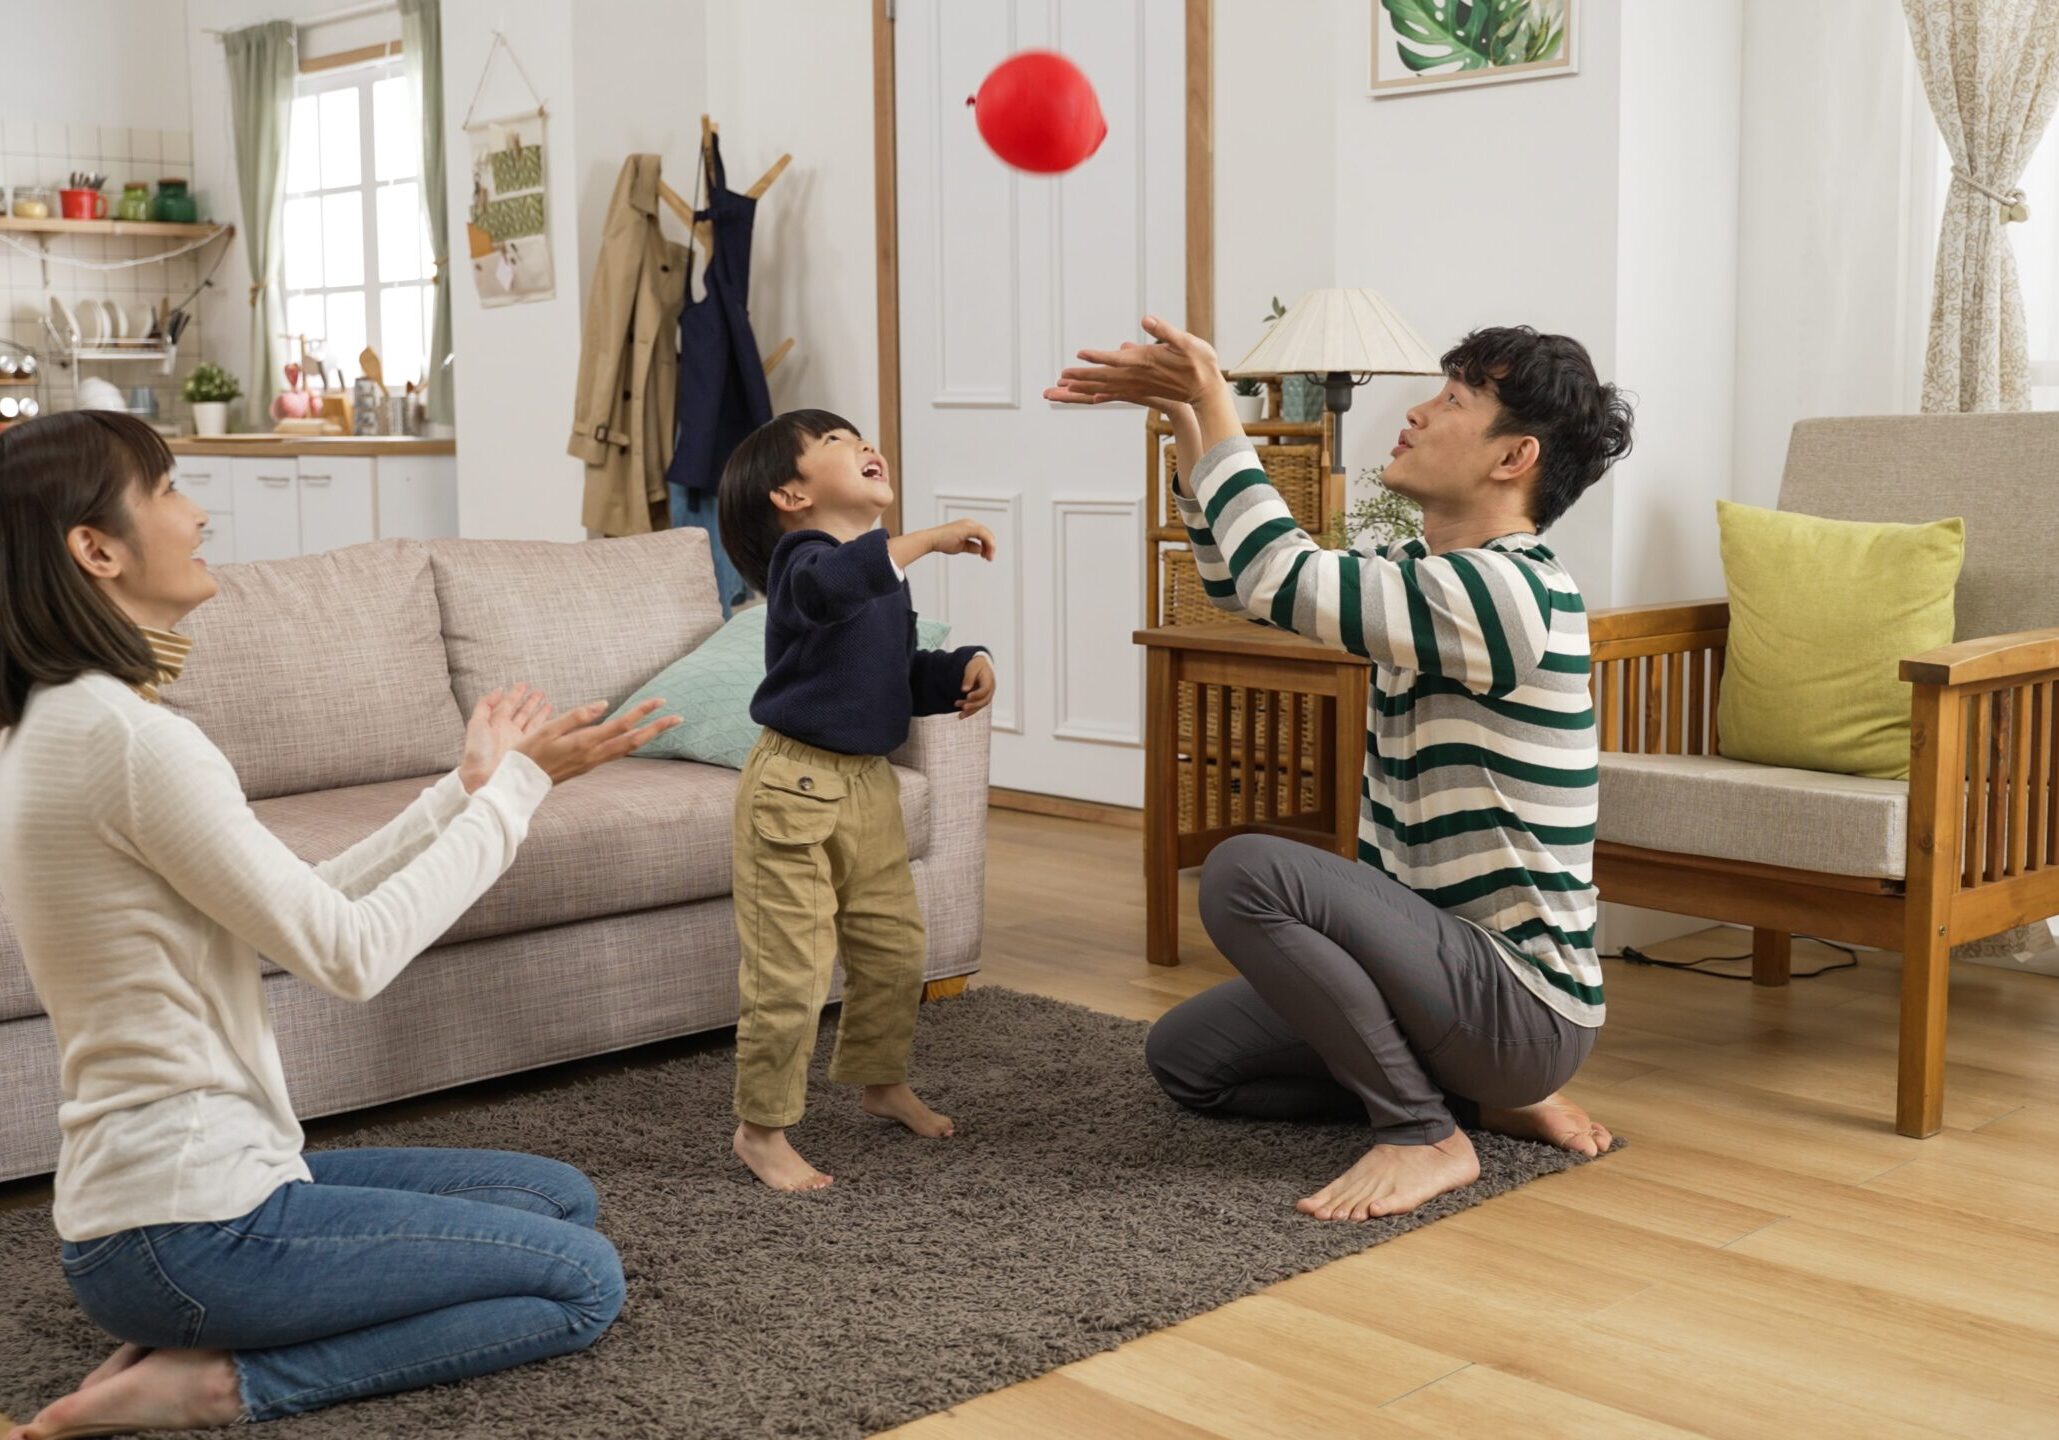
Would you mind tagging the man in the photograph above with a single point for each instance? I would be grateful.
(1449, 973)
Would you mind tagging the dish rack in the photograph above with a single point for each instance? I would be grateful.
(68, 345)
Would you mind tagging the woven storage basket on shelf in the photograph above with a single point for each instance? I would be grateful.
(1295, 470)
(1183, 601)
(1265, 742)
(1212, 796)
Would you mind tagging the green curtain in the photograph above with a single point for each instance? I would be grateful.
(262, 64)
(421, 51)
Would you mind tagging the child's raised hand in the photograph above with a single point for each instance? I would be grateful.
(963, 537)
(978, 686)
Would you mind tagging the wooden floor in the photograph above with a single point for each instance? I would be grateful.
(1768, 1258)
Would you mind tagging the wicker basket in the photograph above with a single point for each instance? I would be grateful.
(1213, 796)
(1183, 601)
(1265, 742)
(1295, 470)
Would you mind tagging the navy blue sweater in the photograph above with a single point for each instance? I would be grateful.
(842, 670)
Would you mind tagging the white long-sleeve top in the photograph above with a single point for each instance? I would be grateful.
(144, 890)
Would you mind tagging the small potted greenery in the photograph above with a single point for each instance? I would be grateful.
(209, 389)
(1376, 521)
(1249, 398)
(1301, 396)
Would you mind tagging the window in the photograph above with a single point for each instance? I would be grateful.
(358, 263)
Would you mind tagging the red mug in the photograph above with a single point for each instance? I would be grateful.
(84, 205)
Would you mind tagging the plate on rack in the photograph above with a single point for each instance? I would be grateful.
(61, 321)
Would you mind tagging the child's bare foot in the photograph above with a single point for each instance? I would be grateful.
(774, 1160)
(123, 1357)
(1395, 1179)
(898, 1102)
(1555, 1120)
(164, 1390)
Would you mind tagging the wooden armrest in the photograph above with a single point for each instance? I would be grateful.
(1250, 638)
(1994, 657)
(1638, 622)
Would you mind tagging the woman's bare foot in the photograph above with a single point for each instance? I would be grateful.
(165, 1390)
(1555, 1120)
(123, 1357)
(1395, 1179)
(774, 1160)
(898, 1102)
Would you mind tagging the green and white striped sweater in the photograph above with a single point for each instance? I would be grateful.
(1481, 771)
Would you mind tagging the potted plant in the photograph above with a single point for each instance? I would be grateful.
(209, 389)
(1249, 398)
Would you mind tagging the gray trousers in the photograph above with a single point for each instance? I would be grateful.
(1357, 996)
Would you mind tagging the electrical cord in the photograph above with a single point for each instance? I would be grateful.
(1631, 955)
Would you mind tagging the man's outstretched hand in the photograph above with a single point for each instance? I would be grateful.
(1179, 369)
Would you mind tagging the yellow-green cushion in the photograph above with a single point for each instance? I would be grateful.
(1822, 612)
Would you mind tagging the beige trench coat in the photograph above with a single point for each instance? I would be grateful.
(628, 392)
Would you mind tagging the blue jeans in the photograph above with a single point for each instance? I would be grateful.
(393, 1270)
(691, 507)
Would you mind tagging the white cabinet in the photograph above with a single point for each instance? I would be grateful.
(336, 504)
(418, 496)
(273, 507)
(267, 509)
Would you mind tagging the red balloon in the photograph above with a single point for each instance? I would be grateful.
(1038, 112)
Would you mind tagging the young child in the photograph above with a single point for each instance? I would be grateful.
(821, 857)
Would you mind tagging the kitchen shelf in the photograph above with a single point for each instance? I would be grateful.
(163, 228)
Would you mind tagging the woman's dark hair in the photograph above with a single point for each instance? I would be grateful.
(57, 472)
(1547, 387)
(768, 457)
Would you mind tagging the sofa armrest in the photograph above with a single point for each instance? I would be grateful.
(952, 880)
(2016, 658)
(1691, 622)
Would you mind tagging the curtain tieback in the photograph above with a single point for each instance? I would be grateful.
(2011, 202)
(256, 289)
(436, 264)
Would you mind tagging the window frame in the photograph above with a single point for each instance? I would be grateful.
(372, 285)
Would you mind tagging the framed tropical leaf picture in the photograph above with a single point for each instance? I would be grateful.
(1440, 44)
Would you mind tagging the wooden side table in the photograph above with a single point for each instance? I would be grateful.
(1249, 730)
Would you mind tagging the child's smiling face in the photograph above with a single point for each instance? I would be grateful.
(841, 485)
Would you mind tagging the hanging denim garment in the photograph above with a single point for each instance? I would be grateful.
(722, 392)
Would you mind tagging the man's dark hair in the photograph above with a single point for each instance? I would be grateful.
(1547, 387)
(57, 472)
(768, 457)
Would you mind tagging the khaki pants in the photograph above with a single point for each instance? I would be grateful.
(821, 861)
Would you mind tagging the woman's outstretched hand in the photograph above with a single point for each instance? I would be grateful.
(1179, 369)
(578, 740)
(499, 722)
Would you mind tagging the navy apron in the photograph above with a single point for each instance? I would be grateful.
(722, 391)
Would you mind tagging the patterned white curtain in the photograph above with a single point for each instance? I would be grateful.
(1991, 70)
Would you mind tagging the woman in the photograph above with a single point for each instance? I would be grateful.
(247, 1281)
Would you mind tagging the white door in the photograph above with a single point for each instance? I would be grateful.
(1003, 276)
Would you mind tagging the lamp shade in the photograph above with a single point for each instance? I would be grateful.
(1353, 331)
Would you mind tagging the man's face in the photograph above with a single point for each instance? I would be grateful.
(1445, 456)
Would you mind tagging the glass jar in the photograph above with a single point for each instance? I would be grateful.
(174, 204)
(33, 202)
(135, 202)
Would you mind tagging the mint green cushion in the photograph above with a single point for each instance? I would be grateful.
(712, 685)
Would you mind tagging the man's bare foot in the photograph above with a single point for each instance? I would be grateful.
(165, 1390)
(898, 1102)
(774, 1160)
(123, 1357)
(1555, 1120)
(1395, 1179)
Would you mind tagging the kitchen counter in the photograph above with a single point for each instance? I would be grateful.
(263, 446)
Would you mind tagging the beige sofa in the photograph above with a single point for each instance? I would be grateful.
(337, 686)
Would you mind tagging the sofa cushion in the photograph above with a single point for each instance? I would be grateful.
(17, 997)
(632, 835)
(582, 622)
(323, 670)
(1734, 810)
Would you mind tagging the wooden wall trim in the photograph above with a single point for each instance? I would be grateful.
(1201, 168)
(886, 222)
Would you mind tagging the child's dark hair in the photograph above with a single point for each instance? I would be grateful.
(1547, 387)
(768, 457)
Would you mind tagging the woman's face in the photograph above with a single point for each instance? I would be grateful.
(154, 574)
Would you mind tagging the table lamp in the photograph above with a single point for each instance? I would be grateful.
(1345, 336)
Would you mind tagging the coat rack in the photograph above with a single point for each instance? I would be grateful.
(704, 230)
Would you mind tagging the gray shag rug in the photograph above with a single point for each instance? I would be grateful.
(1076, 1208)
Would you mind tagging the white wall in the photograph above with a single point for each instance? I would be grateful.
(796, 76)
(98, 62)
(1676, 295)
(1823, 327)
